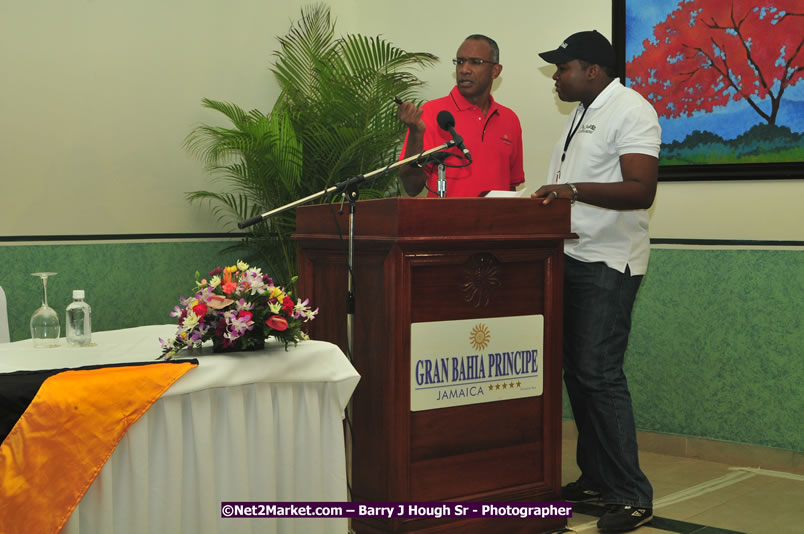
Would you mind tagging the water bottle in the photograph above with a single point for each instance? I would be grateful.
(79, 320)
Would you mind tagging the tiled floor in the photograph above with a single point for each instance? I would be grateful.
(702, 497)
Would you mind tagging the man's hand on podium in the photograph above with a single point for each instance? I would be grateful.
(551, 192)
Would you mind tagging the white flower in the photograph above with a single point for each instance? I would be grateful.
(252, 280)
(275, 306)
(242, 265)
(190, 321)
(231, 336)
(300, 308)
(241, 305)
(241, 324)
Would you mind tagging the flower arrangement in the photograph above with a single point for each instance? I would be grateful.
(237, 308)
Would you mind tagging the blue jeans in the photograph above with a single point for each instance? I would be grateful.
(597, 320)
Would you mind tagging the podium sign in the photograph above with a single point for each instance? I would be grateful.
(420, 264)
(471, 361)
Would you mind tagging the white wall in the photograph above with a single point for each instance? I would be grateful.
(98, 96)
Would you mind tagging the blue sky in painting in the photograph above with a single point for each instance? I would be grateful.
(728, 121)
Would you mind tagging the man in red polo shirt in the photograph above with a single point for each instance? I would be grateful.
(490, 132)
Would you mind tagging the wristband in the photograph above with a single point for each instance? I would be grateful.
(574, 193)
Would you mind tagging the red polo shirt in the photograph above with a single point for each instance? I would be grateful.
(495, 142)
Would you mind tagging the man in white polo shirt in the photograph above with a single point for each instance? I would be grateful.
(606, 163)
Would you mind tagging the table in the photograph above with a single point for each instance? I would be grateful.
(261, 426)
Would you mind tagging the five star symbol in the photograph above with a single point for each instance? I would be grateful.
(505, 385)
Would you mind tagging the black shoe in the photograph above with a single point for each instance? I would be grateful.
(574, 492)
(623, 517)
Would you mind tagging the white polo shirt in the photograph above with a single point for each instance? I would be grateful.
(619, 121)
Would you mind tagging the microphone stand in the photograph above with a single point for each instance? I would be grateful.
(442, 180)
(349, 189)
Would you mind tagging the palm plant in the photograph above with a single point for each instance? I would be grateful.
(335, 118)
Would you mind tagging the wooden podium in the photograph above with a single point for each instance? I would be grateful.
(427, 259)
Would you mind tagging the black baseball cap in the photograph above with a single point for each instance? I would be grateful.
(589, 46)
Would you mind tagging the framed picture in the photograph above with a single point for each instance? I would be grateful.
(726, 78)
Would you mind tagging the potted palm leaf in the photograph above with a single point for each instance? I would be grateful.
(335, 118)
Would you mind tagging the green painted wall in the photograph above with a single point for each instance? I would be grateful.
(717, 346)
(127, 284)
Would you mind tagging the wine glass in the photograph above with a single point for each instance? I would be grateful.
(45, 328)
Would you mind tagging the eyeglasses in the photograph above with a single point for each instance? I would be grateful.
(476, 61)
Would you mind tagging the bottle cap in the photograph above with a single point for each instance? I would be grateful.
(78, 293)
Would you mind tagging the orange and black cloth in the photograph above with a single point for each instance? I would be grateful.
(57, 429)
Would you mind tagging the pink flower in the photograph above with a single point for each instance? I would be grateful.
(277, 323)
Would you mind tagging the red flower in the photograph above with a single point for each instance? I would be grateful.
(277, 323)
(287, 305)
(245, 315)
(200, 310)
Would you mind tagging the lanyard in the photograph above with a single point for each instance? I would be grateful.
(572, 131)
(570, 134)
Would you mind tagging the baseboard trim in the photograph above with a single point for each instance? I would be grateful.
(726, 452)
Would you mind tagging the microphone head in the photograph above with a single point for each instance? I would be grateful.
(445, 120)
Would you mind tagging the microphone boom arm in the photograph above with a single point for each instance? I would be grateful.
(344, 185)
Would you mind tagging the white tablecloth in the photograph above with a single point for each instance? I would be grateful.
(262, 426)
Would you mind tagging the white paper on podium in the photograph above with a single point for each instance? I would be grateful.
(507, 194)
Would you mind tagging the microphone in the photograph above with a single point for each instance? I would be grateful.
(447, 122)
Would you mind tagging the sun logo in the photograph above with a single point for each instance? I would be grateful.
(480, 336)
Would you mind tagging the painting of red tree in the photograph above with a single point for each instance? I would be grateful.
(705, 58)
(711, 51)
